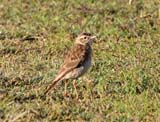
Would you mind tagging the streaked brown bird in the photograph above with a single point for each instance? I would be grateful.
(76, 62)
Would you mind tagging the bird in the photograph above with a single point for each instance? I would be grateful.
(76, 63)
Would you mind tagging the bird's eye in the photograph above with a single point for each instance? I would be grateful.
(85, 37)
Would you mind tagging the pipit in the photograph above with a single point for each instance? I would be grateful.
(76, 62)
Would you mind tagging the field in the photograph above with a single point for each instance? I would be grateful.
(123, 84)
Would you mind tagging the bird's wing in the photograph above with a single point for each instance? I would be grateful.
(74, 58)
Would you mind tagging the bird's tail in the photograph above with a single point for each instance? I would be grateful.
(51, 86)
(57, 79)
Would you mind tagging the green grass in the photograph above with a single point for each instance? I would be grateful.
(35, 36)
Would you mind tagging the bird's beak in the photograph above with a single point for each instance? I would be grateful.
(94, 38)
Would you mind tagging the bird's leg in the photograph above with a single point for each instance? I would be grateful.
(65, 87)
(75, 89)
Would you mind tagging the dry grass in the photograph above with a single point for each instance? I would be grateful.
(35, 35)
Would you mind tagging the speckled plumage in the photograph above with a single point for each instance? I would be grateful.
(77, 61)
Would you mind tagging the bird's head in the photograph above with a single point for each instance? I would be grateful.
(85, 38)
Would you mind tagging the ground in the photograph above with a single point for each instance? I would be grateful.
(123, 84)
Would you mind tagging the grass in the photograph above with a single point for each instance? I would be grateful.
(34, 37)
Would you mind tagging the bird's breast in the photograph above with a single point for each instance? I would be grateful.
(87, 64)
